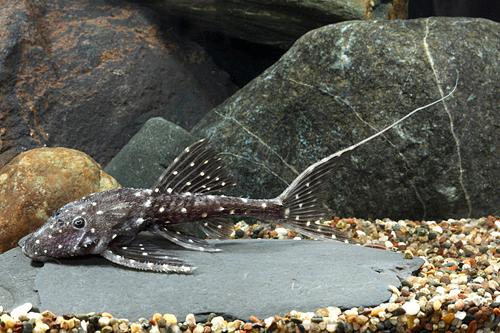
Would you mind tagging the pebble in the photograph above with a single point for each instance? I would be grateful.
(170, 319)
(411, 308)
(135, 328)
(218, 323)
(190, 320)
(21, 310)
(40, 327)
(8, 321)
(104, 321)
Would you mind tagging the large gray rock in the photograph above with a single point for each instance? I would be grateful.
(145, 156)
(251, 277)
(276, 22)
(339, 84)
(88, 74)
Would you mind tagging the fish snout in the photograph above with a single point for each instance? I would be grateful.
(27, 245)
(22, 241)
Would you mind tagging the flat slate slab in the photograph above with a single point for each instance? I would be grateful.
(250, 277)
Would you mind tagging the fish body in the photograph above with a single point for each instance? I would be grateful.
(109, 220)
(107, 223)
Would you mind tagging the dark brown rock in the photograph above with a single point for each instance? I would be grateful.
(37, 182)
(276, 22)
(342, 83)
(87, 74)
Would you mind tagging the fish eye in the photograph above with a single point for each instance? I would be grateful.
(79, 222)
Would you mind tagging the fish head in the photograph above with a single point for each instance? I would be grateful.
(82, 227)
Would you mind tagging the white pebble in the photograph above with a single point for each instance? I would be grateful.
(282, 232)
(411, 308)
(21, 310)
(460, 315)
(217, 323)
(104, 321)
(268, 321)
(190, 319)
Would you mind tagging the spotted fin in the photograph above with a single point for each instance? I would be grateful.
(197, 169)
(146, 257)
(186, 241)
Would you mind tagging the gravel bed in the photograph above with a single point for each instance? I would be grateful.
(457, 289)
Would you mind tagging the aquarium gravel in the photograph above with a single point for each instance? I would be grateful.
(456, 290)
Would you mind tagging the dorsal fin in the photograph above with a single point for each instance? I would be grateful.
(197, 169)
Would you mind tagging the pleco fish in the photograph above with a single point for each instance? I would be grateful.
(107, 223)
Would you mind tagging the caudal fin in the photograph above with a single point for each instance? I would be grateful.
(303, 199)
(304, 206)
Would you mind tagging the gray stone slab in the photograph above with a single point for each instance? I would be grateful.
(251, 277)
(17, 280)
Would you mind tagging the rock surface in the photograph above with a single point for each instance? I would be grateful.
(251, 277)
(145, 156)
(339, 84)
(37, 182)
(276, 22)
(88, 74)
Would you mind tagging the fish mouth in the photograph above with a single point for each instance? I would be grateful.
(89, 246)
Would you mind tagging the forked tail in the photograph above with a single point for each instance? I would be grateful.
(302, 200)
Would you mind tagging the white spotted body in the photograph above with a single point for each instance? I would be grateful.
(107, 223)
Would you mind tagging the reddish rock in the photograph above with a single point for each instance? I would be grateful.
(39, 181)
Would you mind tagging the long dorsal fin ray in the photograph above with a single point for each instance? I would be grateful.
(197, 169)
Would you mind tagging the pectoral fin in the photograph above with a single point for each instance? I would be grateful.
(146, 257)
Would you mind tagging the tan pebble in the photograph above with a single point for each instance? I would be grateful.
(170, 319)
(8, 321)
(135, 328)
(104, 321)
(322, 312)
(375, 311)
(448, 318)
(40, 327)
(489, 269)
(392, 307)
(247, 327)
(492, 284)
(107, 315)
(408, 254)
(233, 326)
(123, 327)
(198, 329)
(207, 329)
(190, 319)
(68, 324)
(459, 305)
(361, 320)
(157, 316)
(436, 305)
